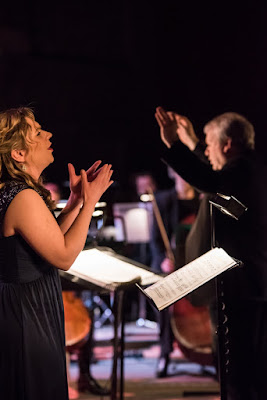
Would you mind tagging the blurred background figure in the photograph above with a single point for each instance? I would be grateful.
(144, 182)
(55, 191)
(178, 207)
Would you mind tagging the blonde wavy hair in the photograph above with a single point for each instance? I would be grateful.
(14, 135)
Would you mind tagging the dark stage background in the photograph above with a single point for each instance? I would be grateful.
(94, 71)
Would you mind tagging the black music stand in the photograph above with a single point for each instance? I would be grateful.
(90, 281)
(232, 207)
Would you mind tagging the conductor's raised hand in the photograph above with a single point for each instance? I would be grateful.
(75, 180)
(185, 132)
(168, 126)
(92, 191)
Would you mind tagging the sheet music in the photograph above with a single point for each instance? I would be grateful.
(183, 281)
(105, 269)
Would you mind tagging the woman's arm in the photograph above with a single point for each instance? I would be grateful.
(68, 215)
(29, 216)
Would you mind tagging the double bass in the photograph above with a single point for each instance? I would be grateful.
(77, 321)
(191, 325)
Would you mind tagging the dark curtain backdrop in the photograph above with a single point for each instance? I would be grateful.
(94, 71)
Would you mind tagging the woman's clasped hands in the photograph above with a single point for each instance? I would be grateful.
(90, 184)
(92, 190)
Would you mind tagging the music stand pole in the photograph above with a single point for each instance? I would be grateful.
(221, 334)
(122, 348)
(118, 346)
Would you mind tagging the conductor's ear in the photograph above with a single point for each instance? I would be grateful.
(227, 146)
(18, 155)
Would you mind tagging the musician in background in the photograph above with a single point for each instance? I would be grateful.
(86, 382)
(144, 181)
(55, 191)
(178, 207)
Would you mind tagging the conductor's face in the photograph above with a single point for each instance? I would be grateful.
(215, 151)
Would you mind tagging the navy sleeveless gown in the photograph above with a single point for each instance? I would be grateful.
(32, 342)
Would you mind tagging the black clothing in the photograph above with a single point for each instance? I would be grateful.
(245, 288)
(32, 343)
(246, 239)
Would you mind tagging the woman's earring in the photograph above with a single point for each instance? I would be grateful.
(23, 167)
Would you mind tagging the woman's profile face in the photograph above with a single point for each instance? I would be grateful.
(39, 153)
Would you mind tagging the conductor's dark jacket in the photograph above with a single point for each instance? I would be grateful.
(245, 178)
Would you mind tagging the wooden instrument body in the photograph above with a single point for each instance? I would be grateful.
(77, 320)
(192, 329)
